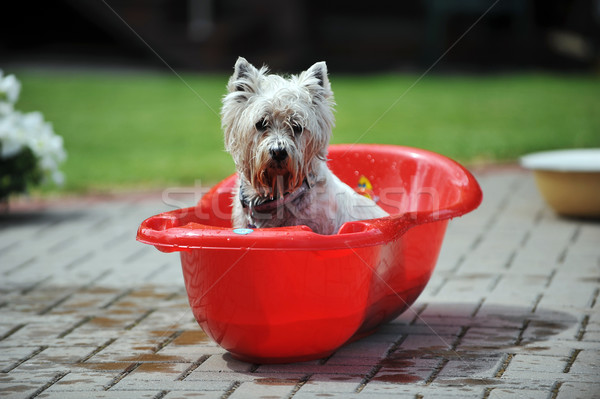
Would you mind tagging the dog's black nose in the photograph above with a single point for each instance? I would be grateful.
(278, 154)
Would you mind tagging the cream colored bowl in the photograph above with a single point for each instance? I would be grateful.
(569, 180)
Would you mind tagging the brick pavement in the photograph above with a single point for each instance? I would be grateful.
(511, 311)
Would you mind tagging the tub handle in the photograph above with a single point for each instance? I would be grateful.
(162, 222)
(154, 231)
(353, 227)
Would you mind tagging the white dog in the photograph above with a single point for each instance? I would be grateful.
(277, 131)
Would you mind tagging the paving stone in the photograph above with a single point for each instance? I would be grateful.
(465, 288)
(561, 327)
(193, 395)
(224, 363)
(332, 383)
(205, 385)
(447, 310)
(264, 389)
(511, 311)
(12, 357)
(100, 395)
(532, 363)
(491, 339)
(191, 353)
(45, 369)
(519, 291)
(504, 393)
(425, 345)
(541, 348)
(469, 366)
(18, 390)
(420, 328)
(435, 391)
(535, 379)
(404, 369)
(66, 354)
(407, 317)
(155, 371)
(568, 295)
(334, 395)
(363, 349)
(586, 362)
(578, 390)
(83, 381)
(226, 378)
(314, 367)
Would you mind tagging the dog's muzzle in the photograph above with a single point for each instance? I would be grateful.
(270, 206)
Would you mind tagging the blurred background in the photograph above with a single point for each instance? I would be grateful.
(134, 86)
(208, 35)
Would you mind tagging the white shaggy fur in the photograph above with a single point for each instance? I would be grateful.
(277, 131)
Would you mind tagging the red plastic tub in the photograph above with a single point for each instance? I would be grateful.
(287, 294)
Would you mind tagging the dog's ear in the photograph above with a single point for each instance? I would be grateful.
(244, 77)
(315, 78)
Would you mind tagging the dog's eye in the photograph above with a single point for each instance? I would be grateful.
(261, 125)
(297, 128)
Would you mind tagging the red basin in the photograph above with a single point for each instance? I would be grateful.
(287, 294)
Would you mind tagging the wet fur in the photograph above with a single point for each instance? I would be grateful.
(265, 114)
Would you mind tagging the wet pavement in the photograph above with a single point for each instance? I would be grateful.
(511, 311)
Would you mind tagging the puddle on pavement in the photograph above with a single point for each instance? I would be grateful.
(425, 352)
(537, 348)
(104, 366)
(73, 382)
(127, 305)
(100, 290)
(152, 364)
(144, 348)
(16, 388)
(276, 381)
(152, 357)
(192, 337)
(492, 339)
(394, 363)
(64, 312)
(397, 378)
(161, 333)
(496, 335)
(470, 381)
(149, 293)
(107, 322)
(541, 329)
(159, 367)
(121, 311)
(345, 377)
(397, 369)
(91, 303)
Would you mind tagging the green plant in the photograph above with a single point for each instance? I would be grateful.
(30, 152)
(147, 130)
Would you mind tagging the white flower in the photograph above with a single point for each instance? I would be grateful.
(5, 108)
(12, 137)
(10, 87)
(19, 131)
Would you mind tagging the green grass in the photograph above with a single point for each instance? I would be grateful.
(145, 130)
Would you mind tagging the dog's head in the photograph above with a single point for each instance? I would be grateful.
(276, 129)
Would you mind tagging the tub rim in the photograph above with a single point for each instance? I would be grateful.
(174, 231)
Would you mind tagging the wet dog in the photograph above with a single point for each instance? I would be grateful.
(277, 130)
